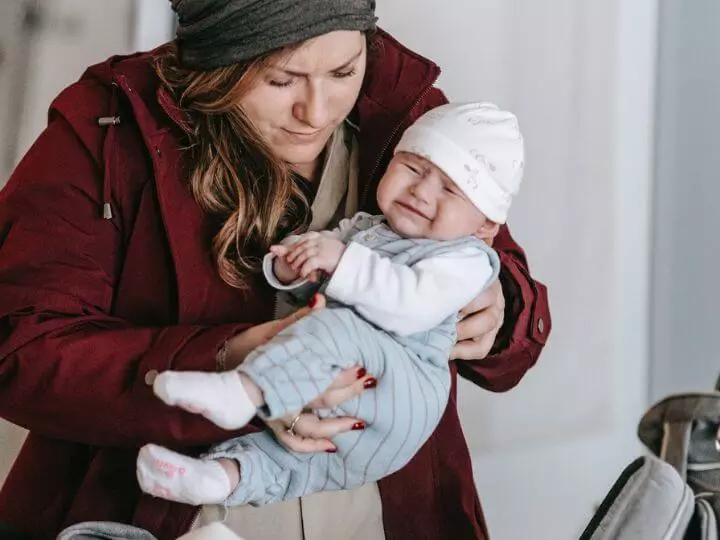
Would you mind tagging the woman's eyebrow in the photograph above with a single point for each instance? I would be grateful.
(304, 74)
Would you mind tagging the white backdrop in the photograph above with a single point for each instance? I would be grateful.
(580, 77)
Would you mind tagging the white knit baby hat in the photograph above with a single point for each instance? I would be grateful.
(478, 146)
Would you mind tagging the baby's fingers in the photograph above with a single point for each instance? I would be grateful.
(304, 257)
(312, 265)
(279, 250)
(298, 249)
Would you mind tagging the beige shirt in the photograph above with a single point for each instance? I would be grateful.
(338, 515)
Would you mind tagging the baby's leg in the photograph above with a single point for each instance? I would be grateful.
(297, 366)
(401, 413)
(167, 474)
(219, 397)
(294, 368)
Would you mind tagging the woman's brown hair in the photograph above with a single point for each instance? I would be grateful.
(253, 197)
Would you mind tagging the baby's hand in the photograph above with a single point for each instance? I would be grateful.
(282, 270)
(315, 252)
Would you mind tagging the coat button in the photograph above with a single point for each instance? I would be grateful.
(150, 377)
(541, 326)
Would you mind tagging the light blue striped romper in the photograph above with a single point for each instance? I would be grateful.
(302, 361)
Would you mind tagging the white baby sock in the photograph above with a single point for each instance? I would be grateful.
(219, 397)
(172, 476)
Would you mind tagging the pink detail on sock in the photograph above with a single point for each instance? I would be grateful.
(182, 471)
(168, 469)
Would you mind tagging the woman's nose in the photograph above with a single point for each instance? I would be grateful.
(312, 109)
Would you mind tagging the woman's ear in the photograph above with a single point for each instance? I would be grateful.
(487, 231)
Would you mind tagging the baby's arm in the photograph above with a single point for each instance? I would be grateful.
(287, 277)
(409, 299)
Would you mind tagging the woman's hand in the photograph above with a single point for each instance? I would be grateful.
(481, 321)
(312, 434)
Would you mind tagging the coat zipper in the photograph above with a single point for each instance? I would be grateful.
(366, 189)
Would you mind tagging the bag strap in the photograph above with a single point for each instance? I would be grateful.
(666, 427)
(676, 445)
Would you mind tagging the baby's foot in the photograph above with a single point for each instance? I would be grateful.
(219, 397)
(172, 476)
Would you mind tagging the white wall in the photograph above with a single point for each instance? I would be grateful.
(686, 250)
(580, 77)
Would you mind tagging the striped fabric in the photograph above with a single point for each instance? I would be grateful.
(302, 361)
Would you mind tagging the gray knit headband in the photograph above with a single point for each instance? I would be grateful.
(215, 33)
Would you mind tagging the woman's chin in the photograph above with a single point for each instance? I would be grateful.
(301, 160)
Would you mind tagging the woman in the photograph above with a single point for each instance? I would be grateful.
(198, 158)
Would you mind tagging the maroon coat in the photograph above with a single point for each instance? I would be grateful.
(89, 306)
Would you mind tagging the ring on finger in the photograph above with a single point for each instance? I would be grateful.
(291, 430)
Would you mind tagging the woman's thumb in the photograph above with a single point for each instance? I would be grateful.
(316, 302)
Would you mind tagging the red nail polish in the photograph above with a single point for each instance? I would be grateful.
(361, 373)
(358, 426)
(370, 383)
(313, 301)
(331, 450)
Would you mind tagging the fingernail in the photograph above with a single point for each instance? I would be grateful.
(358, 426)
(313, 301)
(331, 450)
(361, 373)
(370, 383)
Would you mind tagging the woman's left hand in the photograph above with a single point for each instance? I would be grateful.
(481, 321)
(314, 434)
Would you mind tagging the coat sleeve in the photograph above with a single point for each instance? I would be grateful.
(526, 327)
(527, 314)
(68, 368)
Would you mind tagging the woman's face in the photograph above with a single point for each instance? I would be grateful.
(300, 99)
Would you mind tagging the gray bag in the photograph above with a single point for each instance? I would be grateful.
(649, 501)
(104, 530)
(675, 493)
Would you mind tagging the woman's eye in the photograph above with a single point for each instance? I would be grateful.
(344, 74)
(281, 84)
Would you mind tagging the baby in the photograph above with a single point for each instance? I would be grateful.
(395, 285)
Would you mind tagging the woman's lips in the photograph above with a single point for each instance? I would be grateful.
(302, 136)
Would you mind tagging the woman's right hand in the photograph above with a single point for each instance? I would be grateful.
(313, 434)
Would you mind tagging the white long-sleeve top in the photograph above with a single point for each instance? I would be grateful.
(398, 298)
